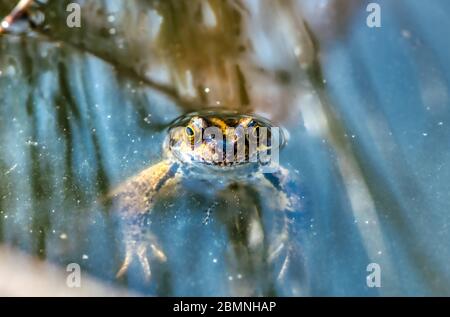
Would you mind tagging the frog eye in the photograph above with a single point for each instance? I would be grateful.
(254, 127)
(190, 132)
(252, 123)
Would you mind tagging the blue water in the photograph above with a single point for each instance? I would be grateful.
(368, 124)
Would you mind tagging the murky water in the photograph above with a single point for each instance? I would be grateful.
(366, 111)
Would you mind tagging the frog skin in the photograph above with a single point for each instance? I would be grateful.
(189, 154)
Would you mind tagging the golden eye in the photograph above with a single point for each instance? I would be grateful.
(190, 132)
(254, 127)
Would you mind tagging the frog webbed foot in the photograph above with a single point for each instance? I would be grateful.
(284, 252)
(141, 249)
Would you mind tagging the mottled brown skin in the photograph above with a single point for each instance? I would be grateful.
(136, 196)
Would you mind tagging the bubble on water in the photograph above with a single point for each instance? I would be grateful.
(112, 31)
(32, 143)
(11, 70)
(12, 66)
(37, 18)
(406, 34)
(147, 119)
(111, 18)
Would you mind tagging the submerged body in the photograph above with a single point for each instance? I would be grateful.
(211, 153)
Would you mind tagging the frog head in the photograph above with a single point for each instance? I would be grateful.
(224, 139)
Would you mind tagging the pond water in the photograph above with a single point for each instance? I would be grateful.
(366, 112)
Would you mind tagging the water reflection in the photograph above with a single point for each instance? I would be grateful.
(366, 112)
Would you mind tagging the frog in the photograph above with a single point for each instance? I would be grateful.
(218, 147)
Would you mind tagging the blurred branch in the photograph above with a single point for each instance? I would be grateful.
(18, 10)
(129, 72)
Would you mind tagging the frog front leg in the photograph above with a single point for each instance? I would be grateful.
(286, 197)
(133, 201)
